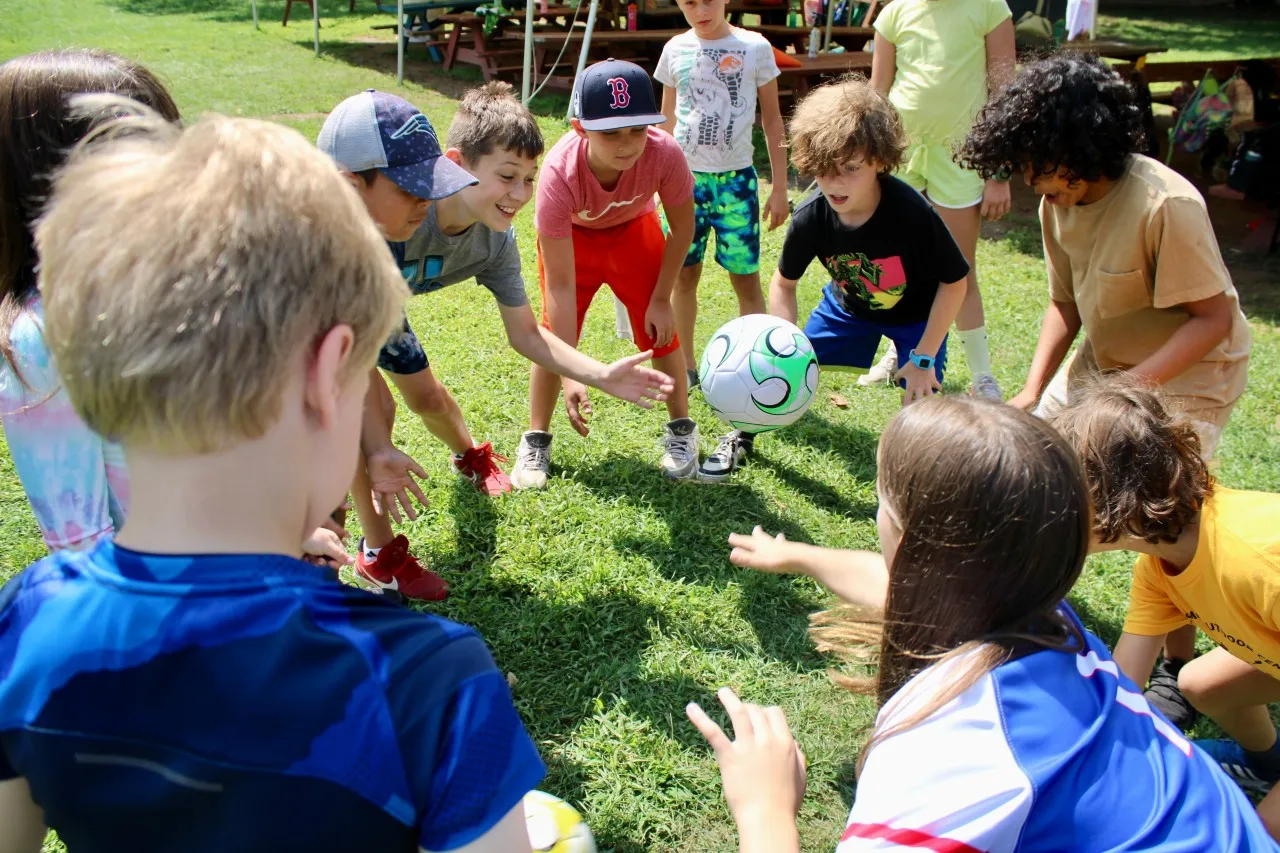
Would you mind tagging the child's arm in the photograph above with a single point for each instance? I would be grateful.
(1210, 322)
(22, 820)
(922, 383)
(996, 198)
(777, 207)
(509, 835)
(627, 378)
(669, 109)
(1058, 329)
(659, 320)
(884, 65)
(1136, 656)
(391, 471)
(859, 578)
(782, 297)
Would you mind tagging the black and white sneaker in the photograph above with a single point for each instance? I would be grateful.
(1163, 694)
(680, 449)
(733, 450)
(533, 460)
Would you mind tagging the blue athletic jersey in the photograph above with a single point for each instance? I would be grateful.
(1052, 751)
(248, 703)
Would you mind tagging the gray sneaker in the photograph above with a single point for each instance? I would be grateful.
(985, 387)
(533, 460)
(733, 450)
(680, 449)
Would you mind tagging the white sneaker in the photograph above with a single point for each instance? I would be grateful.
(986, 387)
(680, 449)
(533, 460)
(884, 371)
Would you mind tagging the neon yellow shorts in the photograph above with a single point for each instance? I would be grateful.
(931, 170)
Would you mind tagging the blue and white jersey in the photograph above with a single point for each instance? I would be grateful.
(1052, 751)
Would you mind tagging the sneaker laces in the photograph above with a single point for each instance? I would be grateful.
(529, 455)
(727, 448)
(680, 448)
(480, 460)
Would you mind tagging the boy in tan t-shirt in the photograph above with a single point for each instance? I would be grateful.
(1131, 256)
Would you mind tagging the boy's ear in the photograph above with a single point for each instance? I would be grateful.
(454, 154)
(355, 180)
(325, 371)
(577, 127)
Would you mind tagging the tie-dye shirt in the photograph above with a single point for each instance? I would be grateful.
(75, 480)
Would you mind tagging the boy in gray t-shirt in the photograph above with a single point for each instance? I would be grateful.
(454, 232)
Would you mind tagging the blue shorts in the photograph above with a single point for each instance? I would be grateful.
(403, 353)
(729, 204)
(842, 341)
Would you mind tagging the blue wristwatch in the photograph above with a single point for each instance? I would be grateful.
(924, 362)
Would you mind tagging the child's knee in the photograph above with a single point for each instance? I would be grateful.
(689, 277)
(1196, 683)
(426, 395)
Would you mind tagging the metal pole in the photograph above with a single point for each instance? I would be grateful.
(586, 46)
(526, 86)
(399, 42)
(315, 24)
(831, 13)
(254, 4)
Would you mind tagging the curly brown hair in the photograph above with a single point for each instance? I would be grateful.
(1143, 465)
(844, 120)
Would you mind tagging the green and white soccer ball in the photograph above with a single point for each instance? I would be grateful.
(555, 826)
(759, 373)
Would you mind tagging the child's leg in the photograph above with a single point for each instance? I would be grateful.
(588, 258)
(377, 528)
(736, 220)
(425, 395)
(840, 340)
(1235, 695)
(684, 298)
(906, 338)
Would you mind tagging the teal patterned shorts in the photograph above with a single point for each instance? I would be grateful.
(729, 203)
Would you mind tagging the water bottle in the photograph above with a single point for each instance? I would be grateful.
(631, 16)
(815, 38)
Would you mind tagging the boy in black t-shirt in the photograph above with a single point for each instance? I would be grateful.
(895, 270)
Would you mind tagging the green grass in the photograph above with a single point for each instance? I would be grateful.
(609, 596)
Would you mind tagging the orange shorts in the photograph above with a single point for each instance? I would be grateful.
(627, 258)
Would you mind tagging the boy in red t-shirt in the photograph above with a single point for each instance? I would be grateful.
(598, 224)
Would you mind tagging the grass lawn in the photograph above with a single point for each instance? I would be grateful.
(609, 596)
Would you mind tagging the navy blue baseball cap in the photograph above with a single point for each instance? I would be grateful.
(613, 94)
(374, 130)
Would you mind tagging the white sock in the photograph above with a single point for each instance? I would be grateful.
(976, 350)
(371, 553)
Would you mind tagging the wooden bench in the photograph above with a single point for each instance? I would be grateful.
(467, 42)
(781, 36)
(795, 83)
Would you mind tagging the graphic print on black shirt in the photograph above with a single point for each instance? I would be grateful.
(888, 270)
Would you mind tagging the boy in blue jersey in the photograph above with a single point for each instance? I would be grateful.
(194, 685)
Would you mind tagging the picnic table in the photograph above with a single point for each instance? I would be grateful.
(468, 43)
(730, 10)
(796, 81)
(780, 36)
(639, 46)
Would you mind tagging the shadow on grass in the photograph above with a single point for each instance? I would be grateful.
(856, 446)
(1107, 629)
(1237, 31)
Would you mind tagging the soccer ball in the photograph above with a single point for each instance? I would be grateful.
(555, 826)
(759, 373)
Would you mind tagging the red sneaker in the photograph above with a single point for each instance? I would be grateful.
(478, 466)
(396, 570)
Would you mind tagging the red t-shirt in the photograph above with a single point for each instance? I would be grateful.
(570, 194)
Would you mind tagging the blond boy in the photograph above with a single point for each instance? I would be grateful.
(194, 685)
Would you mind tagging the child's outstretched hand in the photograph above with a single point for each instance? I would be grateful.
(921, 384)
(762, 768)
(391, 474)
(324, 547)
(577, 405)
(761, 551)
(628, 379)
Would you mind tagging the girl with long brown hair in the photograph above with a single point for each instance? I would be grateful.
(1003, 724)
(75, 480)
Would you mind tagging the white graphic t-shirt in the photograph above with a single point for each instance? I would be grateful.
(716, 83)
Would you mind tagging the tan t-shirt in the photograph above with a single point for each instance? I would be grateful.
(1128, 262)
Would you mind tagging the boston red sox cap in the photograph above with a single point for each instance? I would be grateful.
(614, 94)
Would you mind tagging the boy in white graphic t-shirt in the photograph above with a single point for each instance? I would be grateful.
(713, 76)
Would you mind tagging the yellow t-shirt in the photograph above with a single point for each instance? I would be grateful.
(1128, 262)
(941, 77)
(1231, 589)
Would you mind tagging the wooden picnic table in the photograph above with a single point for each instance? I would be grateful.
(730, 9)
(780, 36)
(795, 82)
(639, 46)
(468, 43)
